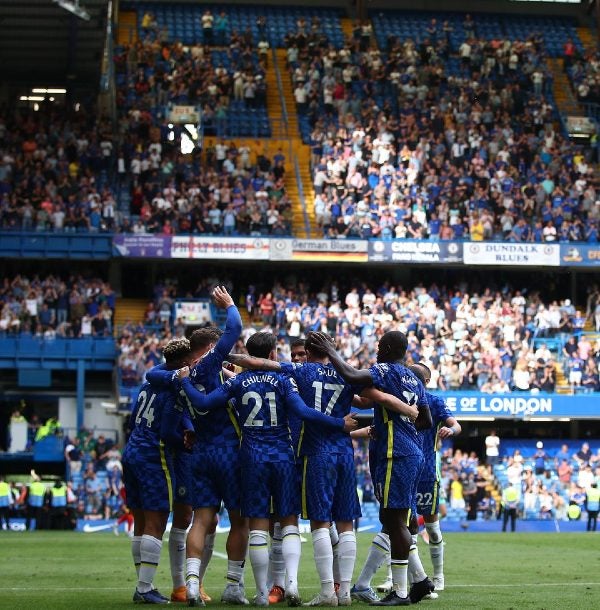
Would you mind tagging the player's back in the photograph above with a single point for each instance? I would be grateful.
(396, 433)
(322, 388)
(147, 415)
(260, 399)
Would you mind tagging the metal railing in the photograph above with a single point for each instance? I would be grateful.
(282, 103)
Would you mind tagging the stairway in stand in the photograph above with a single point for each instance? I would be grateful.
(127, 28)
(129, 310)
(561, 88)
(274, 109)
(588, 38)
(347, 27)
(299, 149)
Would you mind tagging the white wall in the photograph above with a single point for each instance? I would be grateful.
(94, 417)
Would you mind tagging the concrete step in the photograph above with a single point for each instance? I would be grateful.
(129, 310)
(127, 28)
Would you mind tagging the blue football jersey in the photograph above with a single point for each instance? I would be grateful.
(396, 434)
(221, 427)
(324, 389)
(263, 401)
(439, 415)
(148, 422)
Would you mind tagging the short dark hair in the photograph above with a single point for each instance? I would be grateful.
(297, 343)
(260, 345)
(418, 372)
(203, 337)
(393, 345)
(421, 370)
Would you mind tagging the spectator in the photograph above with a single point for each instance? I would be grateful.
(492, 448)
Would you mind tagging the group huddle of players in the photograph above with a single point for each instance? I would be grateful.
(273, 442)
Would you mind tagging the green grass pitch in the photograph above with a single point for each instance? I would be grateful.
(47, 570)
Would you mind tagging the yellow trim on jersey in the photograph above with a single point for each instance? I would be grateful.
(389, 455)
(435, 493)
(233, 419)
(304, 509)
(163, 463)
(230, 411)
(300, 440)
(408, 516)
(435, 444)
(390, 440)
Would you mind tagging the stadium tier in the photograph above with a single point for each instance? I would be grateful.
(288, 274)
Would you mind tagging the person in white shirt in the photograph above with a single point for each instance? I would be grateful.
(492, 448)
(301, 96)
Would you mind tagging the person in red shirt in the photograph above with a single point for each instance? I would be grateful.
(266, 306)
(569, 51)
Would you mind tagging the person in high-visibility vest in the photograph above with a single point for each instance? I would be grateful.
(50, 427)
(6, 501)
(58, 503)
(35, 503)
(510, 505)
(592, 505)
(573, 511)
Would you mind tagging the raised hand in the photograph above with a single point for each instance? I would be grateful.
(221, 297)
(184, 372)
(321, 341)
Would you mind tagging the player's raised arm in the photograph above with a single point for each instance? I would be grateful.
(390, 402)
(253, 363)
(323, 343)
(199, 400)
(233, 323)
(299, 409)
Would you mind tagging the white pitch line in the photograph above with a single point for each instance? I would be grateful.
(526, 584)
(529, 584)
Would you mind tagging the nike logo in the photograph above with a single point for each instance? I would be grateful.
(88, 529)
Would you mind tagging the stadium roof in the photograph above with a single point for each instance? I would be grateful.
(43, 44)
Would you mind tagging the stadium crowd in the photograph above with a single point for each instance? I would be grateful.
(54, 172)
(549, 482)
(160, 73)
(52, 307)
(93, 488)
(62, 175)
(229, 195)
(584, 73)
(424, 141)
(494, 342)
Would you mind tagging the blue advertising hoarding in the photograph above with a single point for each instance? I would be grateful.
(477, 405)
(579, 255)
(415, 251)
